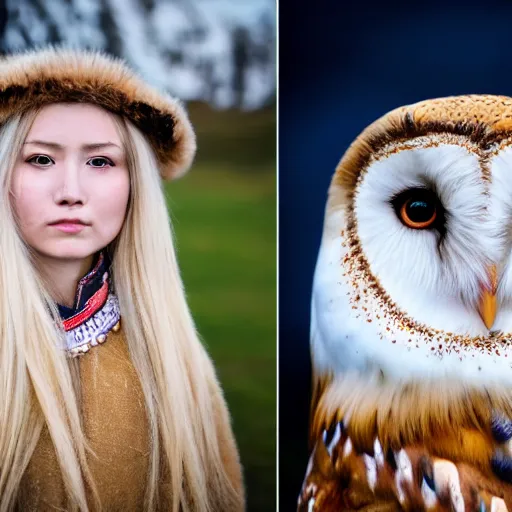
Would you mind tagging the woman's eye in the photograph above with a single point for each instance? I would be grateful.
(418, 208)
(100, 162)
(41, 160)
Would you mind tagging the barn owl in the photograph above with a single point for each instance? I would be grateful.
(411, 317)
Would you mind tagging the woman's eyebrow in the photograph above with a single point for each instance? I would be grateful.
(99, 145)
(84, 147)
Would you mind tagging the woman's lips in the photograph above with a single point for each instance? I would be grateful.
(69, 227)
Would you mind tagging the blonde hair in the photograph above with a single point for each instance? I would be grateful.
(37, 379)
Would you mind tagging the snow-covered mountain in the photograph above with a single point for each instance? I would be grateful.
(220, 51)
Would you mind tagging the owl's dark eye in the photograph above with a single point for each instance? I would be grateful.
(418, 208)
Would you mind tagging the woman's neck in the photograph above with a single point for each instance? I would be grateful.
(62, 277)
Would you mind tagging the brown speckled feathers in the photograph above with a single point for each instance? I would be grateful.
(484, 119)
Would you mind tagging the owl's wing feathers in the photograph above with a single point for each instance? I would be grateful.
(338, 478)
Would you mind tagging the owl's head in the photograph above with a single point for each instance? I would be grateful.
(414, 274)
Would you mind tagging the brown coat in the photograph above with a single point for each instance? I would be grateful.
(116, 426)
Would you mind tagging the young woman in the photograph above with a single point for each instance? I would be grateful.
(108, 401)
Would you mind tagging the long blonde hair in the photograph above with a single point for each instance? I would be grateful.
(37, 379)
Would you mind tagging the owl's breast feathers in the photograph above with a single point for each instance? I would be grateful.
(353, 416)
(449, 419)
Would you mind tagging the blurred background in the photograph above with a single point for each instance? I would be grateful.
(341, 68)
(219, 56)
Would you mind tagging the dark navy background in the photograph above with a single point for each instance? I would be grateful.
(341, 66)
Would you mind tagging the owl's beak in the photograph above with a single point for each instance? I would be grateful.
(487, 305)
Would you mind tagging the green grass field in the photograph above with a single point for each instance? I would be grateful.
(225, 229)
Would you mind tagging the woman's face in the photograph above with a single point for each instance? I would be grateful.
(71, 183)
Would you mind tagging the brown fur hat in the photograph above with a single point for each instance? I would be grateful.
(38, 77)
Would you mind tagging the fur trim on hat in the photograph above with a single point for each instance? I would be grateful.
(51, 75)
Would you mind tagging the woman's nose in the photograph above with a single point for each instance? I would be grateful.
(70, 190)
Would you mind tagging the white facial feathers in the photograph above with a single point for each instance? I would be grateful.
(407, 310)
(500, 211)
(411, 262)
